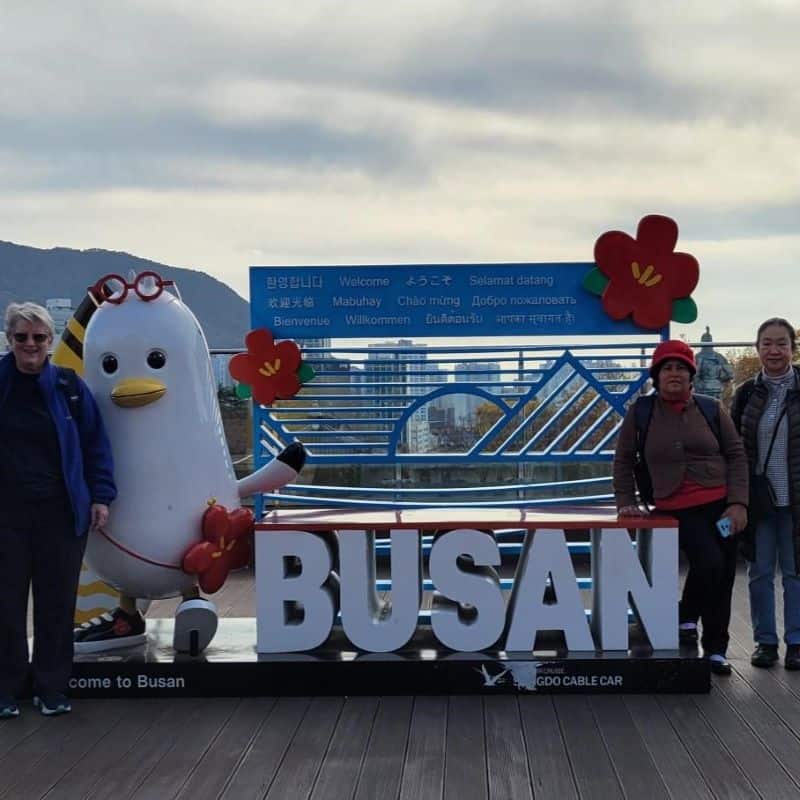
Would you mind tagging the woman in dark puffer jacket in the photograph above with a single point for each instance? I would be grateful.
(766, 411)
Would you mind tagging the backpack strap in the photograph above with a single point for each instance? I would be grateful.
(709, 408)
(68, 384)
(642, 414)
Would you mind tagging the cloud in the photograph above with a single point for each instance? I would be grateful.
(148, 150)
(227, 134)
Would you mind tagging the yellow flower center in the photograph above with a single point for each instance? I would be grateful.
(270, 368)
(646, 278)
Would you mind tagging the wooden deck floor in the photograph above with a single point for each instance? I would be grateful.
(739, 741)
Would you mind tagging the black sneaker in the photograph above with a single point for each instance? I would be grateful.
(765, 655)
(8, 707)
(720, 666)
(52, 705)
(110, 631)
(792, 661)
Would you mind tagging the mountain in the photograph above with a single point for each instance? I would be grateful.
(28, 273)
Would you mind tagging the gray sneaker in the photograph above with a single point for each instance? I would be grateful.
(8, 708)
(52, 705)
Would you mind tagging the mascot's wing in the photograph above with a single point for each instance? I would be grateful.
(283, 469)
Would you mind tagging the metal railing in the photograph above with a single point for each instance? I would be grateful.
(486, 425)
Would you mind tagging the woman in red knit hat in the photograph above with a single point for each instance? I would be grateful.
(698, 469)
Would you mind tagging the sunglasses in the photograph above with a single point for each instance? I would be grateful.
(114, 288)
(39, 338)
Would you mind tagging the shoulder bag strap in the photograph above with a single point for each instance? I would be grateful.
(772, 440)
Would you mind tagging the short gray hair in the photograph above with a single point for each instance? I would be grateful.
(30, 312)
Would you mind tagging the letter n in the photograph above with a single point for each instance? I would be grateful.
(649, 575)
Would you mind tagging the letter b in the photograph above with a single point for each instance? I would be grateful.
(282, 591)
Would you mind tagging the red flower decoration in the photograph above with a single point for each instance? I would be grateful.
(226, 546)
(271, 369)
(645, 274)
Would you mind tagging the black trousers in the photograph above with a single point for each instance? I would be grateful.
(39, 549)
(712, 571)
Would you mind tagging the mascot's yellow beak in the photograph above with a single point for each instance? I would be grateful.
(135, 392)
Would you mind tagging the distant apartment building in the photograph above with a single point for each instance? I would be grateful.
(388, 372)
(327, 367)
(306, 344)
(61, 311)
(486, 375)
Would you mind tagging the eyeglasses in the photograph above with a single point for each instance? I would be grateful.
(39, 338)
(113, 288)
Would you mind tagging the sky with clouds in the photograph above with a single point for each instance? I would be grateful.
(219, 135)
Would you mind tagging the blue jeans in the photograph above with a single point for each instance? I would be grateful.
(774, 542)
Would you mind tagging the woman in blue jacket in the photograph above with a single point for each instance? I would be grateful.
(56, 481)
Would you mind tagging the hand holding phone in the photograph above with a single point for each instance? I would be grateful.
(724, 527)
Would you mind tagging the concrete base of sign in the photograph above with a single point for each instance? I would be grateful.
(230, 667)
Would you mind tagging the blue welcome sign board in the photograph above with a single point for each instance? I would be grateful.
(446, 300)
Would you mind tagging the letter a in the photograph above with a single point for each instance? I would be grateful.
(546, 553)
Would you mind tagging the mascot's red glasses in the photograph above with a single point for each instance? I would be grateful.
(113, 288)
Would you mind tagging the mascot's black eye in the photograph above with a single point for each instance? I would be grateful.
(110, 364)
(156, 359)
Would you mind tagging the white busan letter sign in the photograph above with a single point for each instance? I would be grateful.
(472, 615)
(370, 623)
(279, 590)
(544, 554)
(649, 575)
